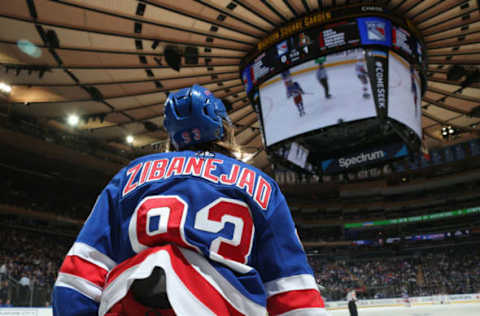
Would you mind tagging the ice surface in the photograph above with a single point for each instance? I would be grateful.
(453, 309)
(281, 116)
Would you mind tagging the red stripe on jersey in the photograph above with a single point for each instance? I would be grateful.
(130, 306)
(291, 300)
(193, 280)
(120, 268)
(200, 287)
(84, 269)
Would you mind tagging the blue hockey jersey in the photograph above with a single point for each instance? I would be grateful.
(294, 89)
(221, 229)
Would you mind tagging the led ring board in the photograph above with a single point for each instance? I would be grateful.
(335, 69)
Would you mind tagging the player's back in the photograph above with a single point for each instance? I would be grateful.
(202, 201)
(219, 229)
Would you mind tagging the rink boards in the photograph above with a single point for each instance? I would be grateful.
(461, 304)
(451, 309)
(438, 305)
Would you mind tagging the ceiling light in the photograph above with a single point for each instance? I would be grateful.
(5, 88)
(73, 120)
(29, 48)
(130, 139)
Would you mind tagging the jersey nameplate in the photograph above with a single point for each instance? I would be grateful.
(160, 169)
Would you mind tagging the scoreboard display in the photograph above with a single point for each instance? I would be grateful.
(330, 38)
(339, 35)
(335, 69)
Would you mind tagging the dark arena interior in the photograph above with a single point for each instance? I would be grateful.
(366, 113)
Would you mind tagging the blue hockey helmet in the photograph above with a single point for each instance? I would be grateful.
(194, 116)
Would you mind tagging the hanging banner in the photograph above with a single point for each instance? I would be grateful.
(377, 64)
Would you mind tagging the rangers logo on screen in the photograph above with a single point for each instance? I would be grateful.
(376, 30)
(282, 51)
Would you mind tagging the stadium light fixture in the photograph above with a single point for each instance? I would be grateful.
(444, 132)
(5, 88)
(73, 120)
(448, 131)
(130, 139)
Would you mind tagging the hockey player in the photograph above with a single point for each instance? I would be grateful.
(352, 302)
(362, 74)
(294, 90)
(304, 42)
(322, 75)
(190, 232)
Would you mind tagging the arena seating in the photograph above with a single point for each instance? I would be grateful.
(30, 260)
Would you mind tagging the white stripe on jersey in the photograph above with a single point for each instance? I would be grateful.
(222, 285)
(85, 287)
(92, 255)
(291, 283)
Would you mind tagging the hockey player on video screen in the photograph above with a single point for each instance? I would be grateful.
(322, 75)
(191, 231)
(362, 74)
(294, 90)
(304, 43)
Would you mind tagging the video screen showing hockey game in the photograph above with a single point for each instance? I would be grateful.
(404, 93)
(319, 93)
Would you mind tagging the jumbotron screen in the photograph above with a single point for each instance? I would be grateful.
(404, 93)
(303, 78)
(319, 93)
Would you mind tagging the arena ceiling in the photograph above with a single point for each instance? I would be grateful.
(103, 60)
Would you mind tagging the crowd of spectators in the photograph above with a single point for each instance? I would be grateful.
(453, 270)
(29, 262)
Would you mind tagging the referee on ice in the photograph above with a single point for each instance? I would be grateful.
(351, 299)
